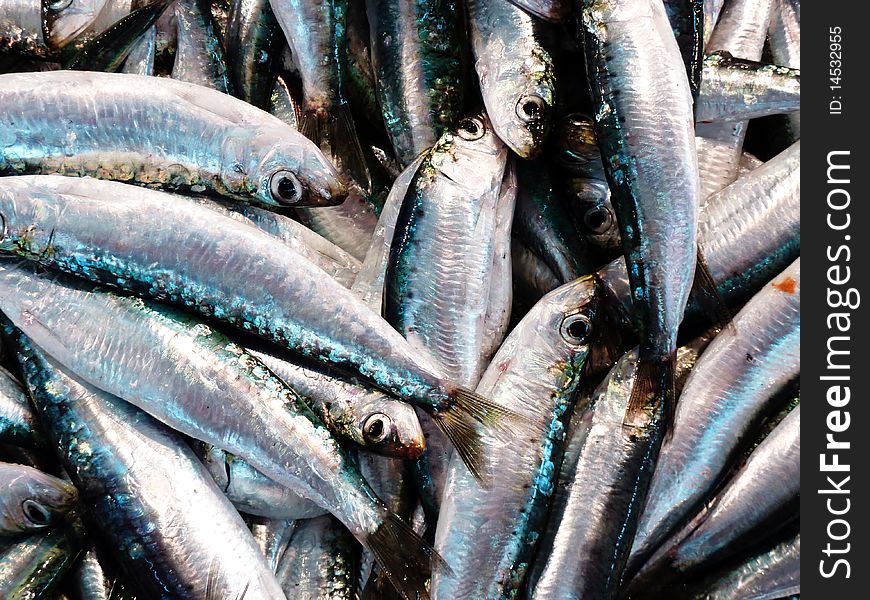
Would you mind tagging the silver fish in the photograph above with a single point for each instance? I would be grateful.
(536, 373)
(252, 41)
(140, 61)
(784, 37)
(272, 536)
(18, 424)
(516, 73)
(729, 391)
(199, 58)
(157, 132)
(152, 498)
(32, 500)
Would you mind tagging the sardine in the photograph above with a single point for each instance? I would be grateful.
(199, 57)
(272, 536)
(32, 500)
(156, 132)
(18, 425)
(140, 60)
(784, 35)
(252, 42)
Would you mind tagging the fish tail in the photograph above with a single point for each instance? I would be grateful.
(335, 134)
(653, 391)
(461, 422)
(405, 558)
(707, 295)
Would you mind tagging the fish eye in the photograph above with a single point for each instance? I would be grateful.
(531, 108)
(376, 428)
(56, 5)
(598, 219)
(37, 514)
(575, 329)
(471, 128)
(285, 187)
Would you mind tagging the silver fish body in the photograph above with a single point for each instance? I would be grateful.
(160, 133)
(251, 43)
(199, 58)
(272, 536)
(318, 562)
(536, 373)
(32, 500)
(727, 394)
(785, 42)
(140, 61)
(152, 497)
(18, 424)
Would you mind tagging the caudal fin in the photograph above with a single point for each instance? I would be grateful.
(467, 417)
(652, 395)
(404, 557)
(335, 134)
(707, 295)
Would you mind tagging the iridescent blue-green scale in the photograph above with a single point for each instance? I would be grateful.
(532, 520)
(404, 260)
(442, 60)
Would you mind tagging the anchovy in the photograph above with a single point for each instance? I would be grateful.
(156, 132)
(740, 31)
(35, 566)
(653, 177)
(319, 562)
(417, 53)
(154, 350)
(18, 425)
(252, 42)
(351, 409)
(761, 497)
(199, 57)
(152, 500)
(250, 491)
(536, 373)
(748, 232)
(768, 575)
(733, 88)
(516, 72)
(32, 500)
(733, 385)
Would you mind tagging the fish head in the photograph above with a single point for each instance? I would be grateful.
(33, 500)
(471, 155)
(594, 210)
(523, 121)
(294, 173)
(390, 427)
(68, 19)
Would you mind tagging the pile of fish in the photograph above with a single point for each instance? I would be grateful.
(399, 299)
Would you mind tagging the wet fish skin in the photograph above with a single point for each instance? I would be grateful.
(140, 60)
(516, 73)
(153, 501)
(726, 396)
(759, 499)
(734, 88)
(272, 536)
(32, 500)
(417, 55)
(555, 11)
(250, 491)
(536, 373)
(234, 402)
(748, 232)
(18, 424)
(200, 56)
(35, 566)
(357, 412)
(252, 40)
(319, 562)
(90, 581)
(252, 156)
(785, 43)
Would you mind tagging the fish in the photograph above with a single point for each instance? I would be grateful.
(536, 372)
(146, 490)
(734, 88)
(516, 71)
(35, 566)
(247, 154)
(318, 562)
(653, 177)
(235, 403)
(199, 57)
(610, 482)
(272, 536)
(740, 30)
(251, 492)
(140, 60)
(760, 499)
(252, 45)
(32, 500)
(784, 35)
(90, 578)
(555, 11)
(418, 61)
(280, 283)
(18, 425)
(733, 385)
(687, 22)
